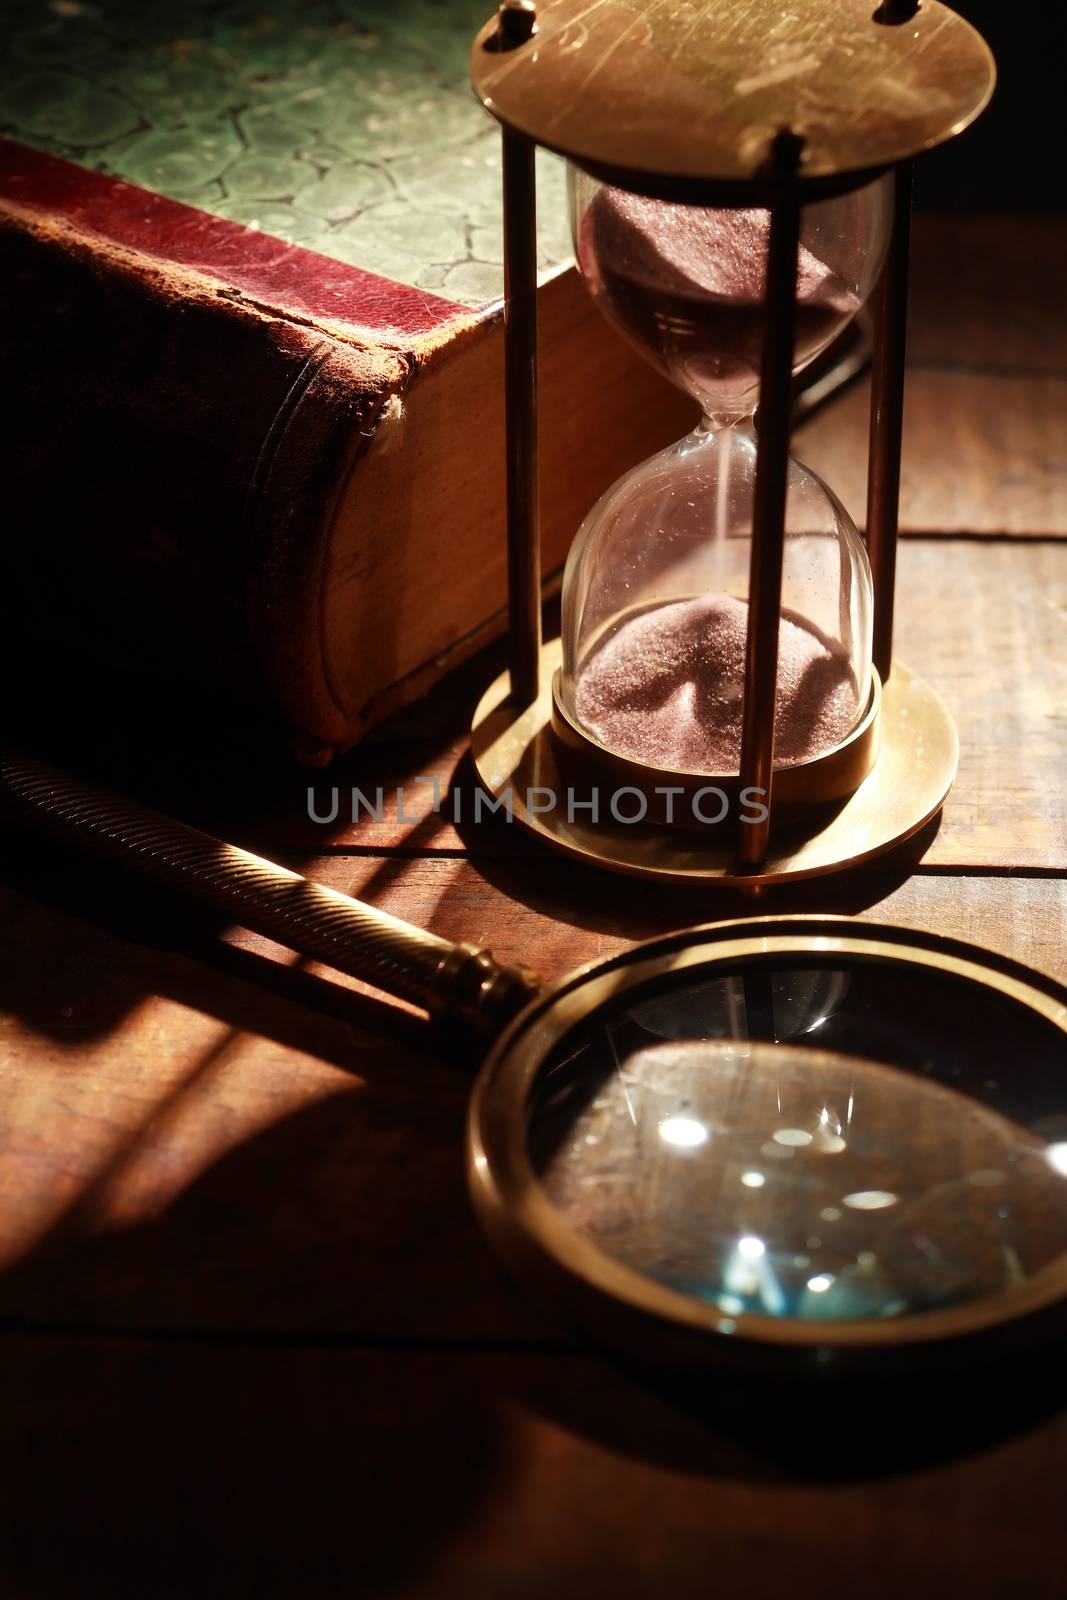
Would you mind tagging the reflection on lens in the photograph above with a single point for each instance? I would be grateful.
(683, 1132)
(795, 1182)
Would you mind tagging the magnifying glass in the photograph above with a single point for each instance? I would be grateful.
(784, 1139)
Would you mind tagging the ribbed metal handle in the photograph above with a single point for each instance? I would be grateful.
(455, 983)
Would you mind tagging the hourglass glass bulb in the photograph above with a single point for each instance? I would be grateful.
(655, 612)
(685, 284)
(688, 284)
(655, 599)
(656, 588)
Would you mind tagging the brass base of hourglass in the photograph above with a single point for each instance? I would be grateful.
(525, 765)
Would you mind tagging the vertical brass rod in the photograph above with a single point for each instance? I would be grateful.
(887, 419)
(520, 379)
(768, 519)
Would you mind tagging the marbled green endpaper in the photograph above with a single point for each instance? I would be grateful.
(347, 126)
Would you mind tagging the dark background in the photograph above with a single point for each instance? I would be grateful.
(1014, 157)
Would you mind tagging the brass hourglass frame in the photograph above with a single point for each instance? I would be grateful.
(680, 104)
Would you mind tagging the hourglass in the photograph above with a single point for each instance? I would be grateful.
(723, 700)
(656, 609)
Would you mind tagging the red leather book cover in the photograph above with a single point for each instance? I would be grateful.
(252, 266)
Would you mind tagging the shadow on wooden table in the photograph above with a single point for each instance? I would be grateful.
(593, 898)
(64, 915)
(292, 1366)
(804, 1430)
(227, 1380)
(164, 1467)
(297, 1411)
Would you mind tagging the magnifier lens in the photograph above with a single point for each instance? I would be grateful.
(702, 1136)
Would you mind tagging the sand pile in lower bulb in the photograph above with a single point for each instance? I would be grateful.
(666, 689)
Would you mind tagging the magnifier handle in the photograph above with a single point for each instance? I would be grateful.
(458, 984)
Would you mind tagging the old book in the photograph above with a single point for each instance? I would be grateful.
(258, 442)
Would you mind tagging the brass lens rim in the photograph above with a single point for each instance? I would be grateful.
(623, 1307)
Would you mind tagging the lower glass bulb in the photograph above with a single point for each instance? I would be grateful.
(655, 612)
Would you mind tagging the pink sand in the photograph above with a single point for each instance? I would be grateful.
(687, 250)
(666, 689)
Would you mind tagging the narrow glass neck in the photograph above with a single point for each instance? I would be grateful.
(719, 422)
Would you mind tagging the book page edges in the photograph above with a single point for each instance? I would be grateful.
(415, 576)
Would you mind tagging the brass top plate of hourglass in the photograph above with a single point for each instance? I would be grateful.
(678, 98)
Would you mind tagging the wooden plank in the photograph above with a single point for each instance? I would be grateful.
(987, 625)
(202, 1137)
(537, 918)
(984, 623)
(147, 1096)
(985, 452)
(987, 291)
(197, 1137)
(163, 1469)
(986, 398)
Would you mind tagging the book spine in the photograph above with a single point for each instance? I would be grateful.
(173, 460)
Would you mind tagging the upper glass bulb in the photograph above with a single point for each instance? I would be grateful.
(685, 284)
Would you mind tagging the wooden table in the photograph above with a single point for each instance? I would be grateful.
(252, 1342)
